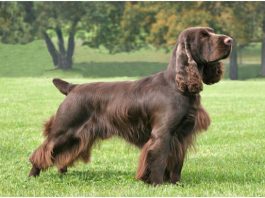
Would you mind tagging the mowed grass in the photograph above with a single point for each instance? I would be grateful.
(229, 159)
(33, 60)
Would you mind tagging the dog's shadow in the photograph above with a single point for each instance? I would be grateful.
(188, 178)
(101, 175)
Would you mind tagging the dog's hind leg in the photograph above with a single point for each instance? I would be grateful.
(143, 169)
(77, 146)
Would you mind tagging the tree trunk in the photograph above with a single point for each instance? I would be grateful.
(61, 58)
(71, 47)
(66, 57)
(64, 61)
(263, 49)
(51, 48)
(239, 53)
(233, 62)
(60, 40)
(71, 44)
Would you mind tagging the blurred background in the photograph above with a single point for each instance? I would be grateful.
(106, 39)
(113, 41)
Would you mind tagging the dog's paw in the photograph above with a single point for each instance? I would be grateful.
(34, 172)
(174, 178)
(63, 170)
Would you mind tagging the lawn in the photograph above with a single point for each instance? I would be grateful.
(33, 60)
(229, 159)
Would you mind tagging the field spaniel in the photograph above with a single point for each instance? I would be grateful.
(161, 114)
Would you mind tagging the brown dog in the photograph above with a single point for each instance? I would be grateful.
(160, 114)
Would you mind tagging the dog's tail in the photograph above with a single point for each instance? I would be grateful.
(63, 86)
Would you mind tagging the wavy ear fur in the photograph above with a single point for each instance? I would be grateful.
(188, 78)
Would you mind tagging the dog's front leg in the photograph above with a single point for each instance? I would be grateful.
(175, 174)
(175, 160)
(153, 158)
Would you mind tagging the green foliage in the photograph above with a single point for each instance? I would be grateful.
(13, 28)
(135, 24)
(97, 22)
(172, 18)
(225, 17)
(101, 25)
(127, 26)
(49, 15)
(235, 22)
(38, 17)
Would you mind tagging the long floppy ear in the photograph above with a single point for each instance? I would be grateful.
(188, 53)
(212, 73)
(188, 78)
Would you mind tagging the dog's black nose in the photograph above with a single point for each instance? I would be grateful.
(228, 41)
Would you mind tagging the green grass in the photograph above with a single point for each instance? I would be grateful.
(33, 60)
(229, 160)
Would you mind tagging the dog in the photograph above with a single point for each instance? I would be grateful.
(161, 114)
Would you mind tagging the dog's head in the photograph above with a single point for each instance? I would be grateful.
(203, 47)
